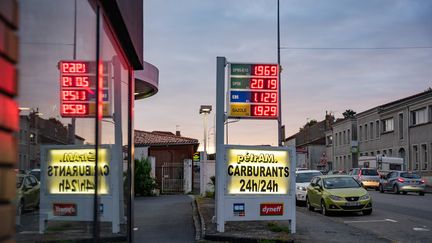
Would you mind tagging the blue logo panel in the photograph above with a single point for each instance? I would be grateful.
(240, 96)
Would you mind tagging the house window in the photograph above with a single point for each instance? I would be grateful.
(329, 140)
(372, 153)
(377, 128)
(349, 136)
(344, 138)
(360, 133)
(419, 116)
(430, 113)
(416, 157)
(366, 132)
(390, 152)
(378, 152)
(371, 130)
(336, 139)
(384, 152)
(340, 138)
(424, 153)
(388, 125)
(401, 135)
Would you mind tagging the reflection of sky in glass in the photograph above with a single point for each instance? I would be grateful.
(46, 37)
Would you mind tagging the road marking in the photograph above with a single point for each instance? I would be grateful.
(136, 228)
(420, 229)
(371, 221)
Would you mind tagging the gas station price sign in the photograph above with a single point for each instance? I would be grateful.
(78, 88)
(253, 91)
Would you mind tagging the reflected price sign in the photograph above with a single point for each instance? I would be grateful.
(253, 91)
(78, 88)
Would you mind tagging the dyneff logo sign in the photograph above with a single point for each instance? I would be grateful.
(271, 209)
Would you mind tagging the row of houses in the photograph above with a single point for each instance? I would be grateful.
(401, 128)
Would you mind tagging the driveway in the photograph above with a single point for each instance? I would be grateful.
(166, 218)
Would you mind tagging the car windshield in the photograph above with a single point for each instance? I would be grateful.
(306, 177)
(19, 181)
(369, 172)
(340, 182)
(410, 175)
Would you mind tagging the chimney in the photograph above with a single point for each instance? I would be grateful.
(178, 133)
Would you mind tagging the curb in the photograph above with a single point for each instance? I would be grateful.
(198, 220)
(90, 240)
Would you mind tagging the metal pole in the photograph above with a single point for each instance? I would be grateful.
(280, 136)
(220, 150)
(98, 119)
(205, 136)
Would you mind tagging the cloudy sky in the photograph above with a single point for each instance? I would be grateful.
(336, 55)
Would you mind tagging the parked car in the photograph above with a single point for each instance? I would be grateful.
(28, 188)
(368, 177)
(338, 193)
(303, 179)
(402, 181)
(36, 173)
(336, 172)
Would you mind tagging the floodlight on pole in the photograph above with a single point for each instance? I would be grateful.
(204, 109)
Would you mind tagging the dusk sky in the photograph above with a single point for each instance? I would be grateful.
(357, 55)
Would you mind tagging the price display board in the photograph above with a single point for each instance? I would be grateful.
(78, 89)
(253, 91)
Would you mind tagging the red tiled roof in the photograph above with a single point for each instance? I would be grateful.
(143, 138)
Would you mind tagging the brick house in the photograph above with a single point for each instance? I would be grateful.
(169, 150)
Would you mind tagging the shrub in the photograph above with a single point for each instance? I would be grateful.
(144, 183)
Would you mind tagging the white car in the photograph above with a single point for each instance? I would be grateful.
(303, 179)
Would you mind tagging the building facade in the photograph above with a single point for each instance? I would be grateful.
(341, 145)
(402, 128)
(310, 144)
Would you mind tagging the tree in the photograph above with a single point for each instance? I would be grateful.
(349, 113)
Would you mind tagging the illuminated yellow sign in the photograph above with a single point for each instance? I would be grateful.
(72, 171)
(251, 171)
(239, 110)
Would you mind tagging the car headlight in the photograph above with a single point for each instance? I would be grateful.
(301, 188)
(336, 198)
(364, 197)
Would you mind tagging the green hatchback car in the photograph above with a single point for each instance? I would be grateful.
(28, 188)
(337, 193)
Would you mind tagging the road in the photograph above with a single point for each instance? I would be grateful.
(167, 218)
(401, 218)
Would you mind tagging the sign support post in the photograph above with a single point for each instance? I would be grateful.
(220, 150)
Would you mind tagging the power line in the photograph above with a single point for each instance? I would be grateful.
(357, 48)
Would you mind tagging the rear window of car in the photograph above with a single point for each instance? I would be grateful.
(410, 175)
(369, 172)
(306, 177)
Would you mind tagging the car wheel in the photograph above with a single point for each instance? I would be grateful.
(367, 211)
(396, 189)
(381, 188)
(324, 209)
(404, 193)
(308, 205)
(421, 193)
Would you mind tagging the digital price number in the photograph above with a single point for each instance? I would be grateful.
(78, 88)
(254, 91)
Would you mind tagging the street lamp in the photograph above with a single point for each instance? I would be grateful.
(204, 109)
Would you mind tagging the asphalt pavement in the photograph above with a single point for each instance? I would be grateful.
(166, 218)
